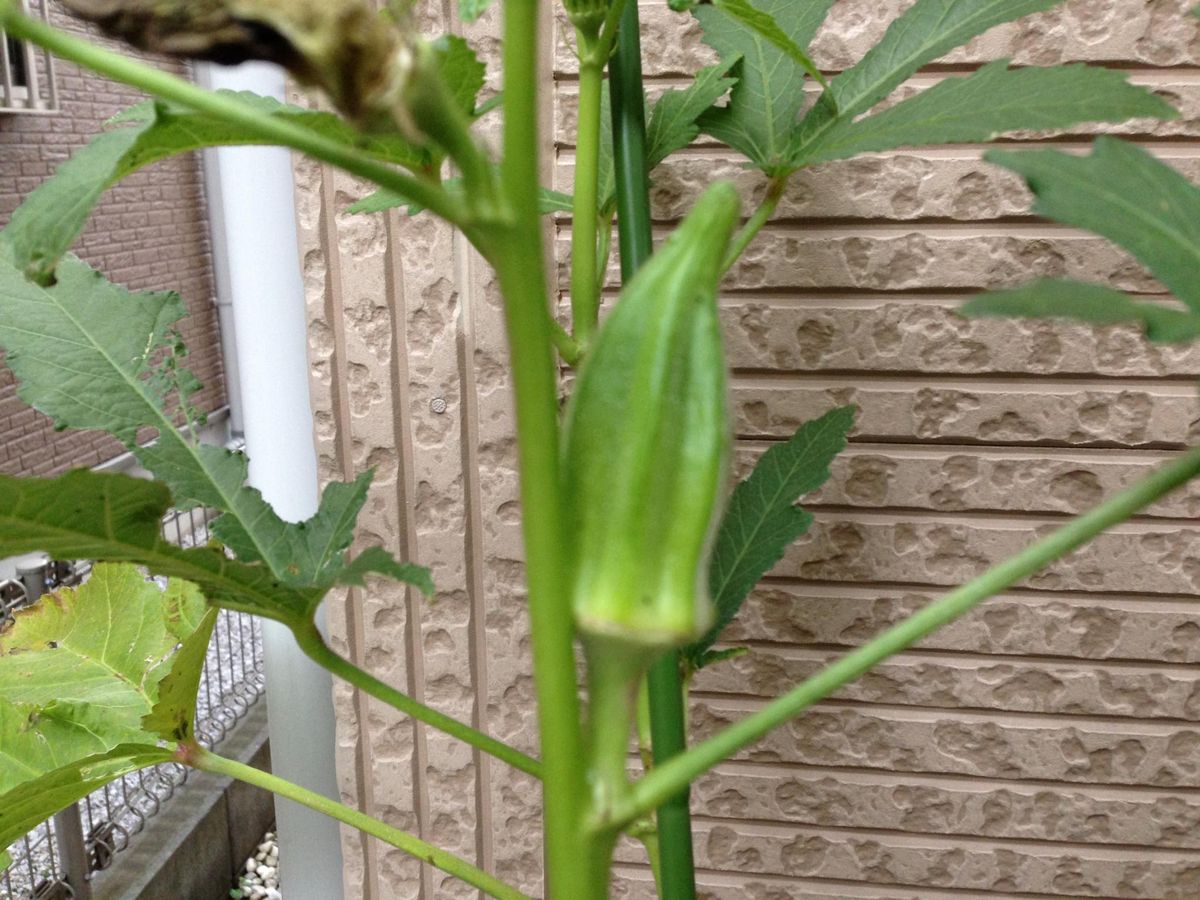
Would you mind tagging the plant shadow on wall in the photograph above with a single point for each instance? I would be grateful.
(632, 548)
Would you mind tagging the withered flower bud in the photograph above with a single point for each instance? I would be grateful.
(344, 47)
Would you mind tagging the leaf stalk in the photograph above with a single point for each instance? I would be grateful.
(315, 648)
(199, 758)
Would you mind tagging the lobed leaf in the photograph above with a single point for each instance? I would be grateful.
(763, 519)
(173, 715)
(1122, 193)
(461, 70)
(78, 672)
(1053, 298)
(765, 103)
(765, 26)
(52, 216)
(671, 125)
(26, 806)
(987, 103)
(89, 354)
(92, 515)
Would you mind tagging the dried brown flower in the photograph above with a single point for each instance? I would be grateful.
(344, 47)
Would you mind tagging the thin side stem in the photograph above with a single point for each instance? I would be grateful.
(202, 759)
(315, 648)
(564, 344)
(665, 780)
(748, 232)
(519, 267)
(585, 280)
(270, 129)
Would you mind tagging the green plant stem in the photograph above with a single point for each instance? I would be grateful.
(313, 644)
(665, 780)
(585, 220)
(202, 759)
(675, 865)
(750, 230)
(564, 343)
(229, 109)
(519, 267)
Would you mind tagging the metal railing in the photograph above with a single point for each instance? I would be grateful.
(27, 77)
(55, 859)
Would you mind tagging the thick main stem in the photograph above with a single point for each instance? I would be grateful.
(665, 780)
(674, 866)
(313, 644)
(519, 266)
(202, 759)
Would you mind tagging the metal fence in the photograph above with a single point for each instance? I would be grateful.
(53, 860)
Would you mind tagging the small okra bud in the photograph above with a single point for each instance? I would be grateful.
(646, 444)
(587, 15)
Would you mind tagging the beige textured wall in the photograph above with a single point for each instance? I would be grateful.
(1046, 746)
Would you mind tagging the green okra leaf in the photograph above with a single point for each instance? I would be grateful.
(926, 31)
(53, 215)
(470, 10)
(987, 103)
(29, 804)
(1122, 193)
(766, 101)
(764, 25)
(94, 515)
(83, 664)
(173, 716)
(78, 672)
(671, 124)
(90, 354)
(763, 519)
(1053, 298)
(461, 70)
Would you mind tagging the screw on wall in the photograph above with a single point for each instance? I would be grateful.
(438, 405)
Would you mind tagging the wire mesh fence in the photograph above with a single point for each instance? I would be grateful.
(109, 818)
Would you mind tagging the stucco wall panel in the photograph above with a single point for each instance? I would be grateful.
(1047, 745)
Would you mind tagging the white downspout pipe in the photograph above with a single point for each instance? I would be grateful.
(257, 262)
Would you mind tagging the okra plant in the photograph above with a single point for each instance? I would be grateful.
(633, 549)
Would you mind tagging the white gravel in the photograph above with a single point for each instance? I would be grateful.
(260, 874)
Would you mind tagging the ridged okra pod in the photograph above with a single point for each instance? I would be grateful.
(646, 446)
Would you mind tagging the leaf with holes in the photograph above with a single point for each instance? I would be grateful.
(90, 354)
(94, 515)
(78, 672)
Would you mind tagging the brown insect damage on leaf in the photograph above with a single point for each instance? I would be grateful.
(344, 47)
